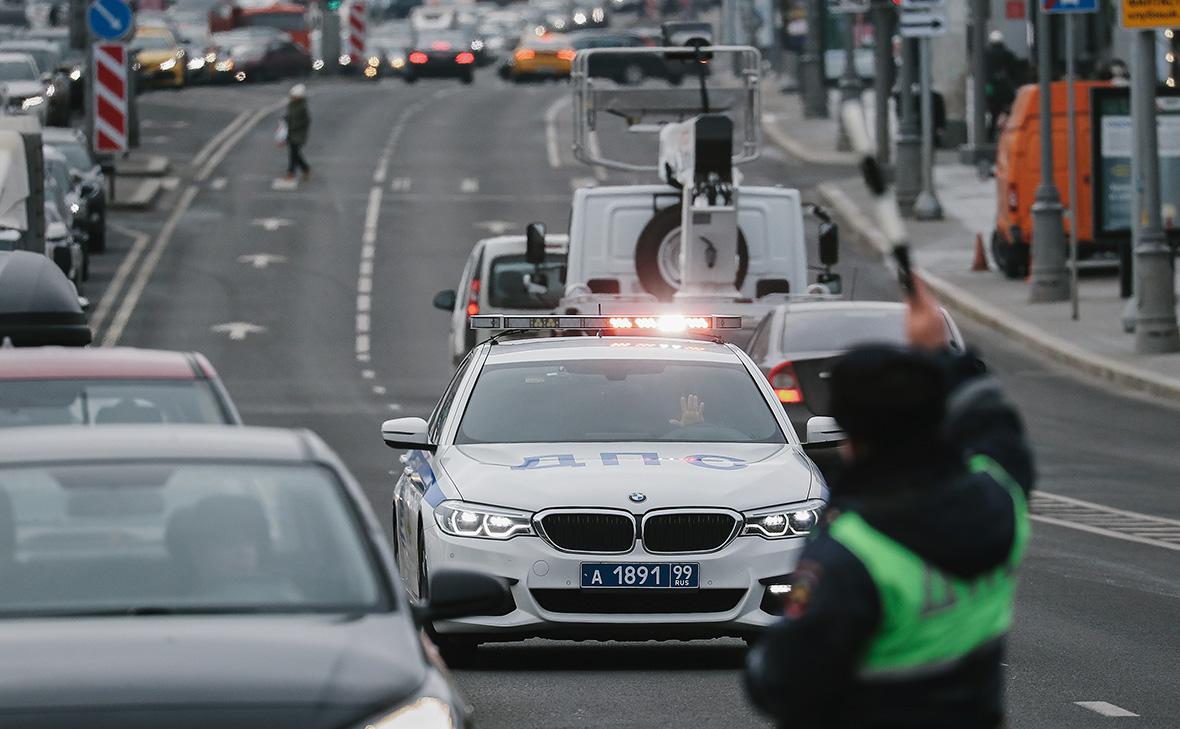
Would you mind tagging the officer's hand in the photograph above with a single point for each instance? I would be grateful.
(925, 325)
(692, 411)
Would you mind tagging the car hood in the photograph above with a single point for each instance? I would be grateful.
(23, 89)
(223, 671)
(536, 476)
(154, 58)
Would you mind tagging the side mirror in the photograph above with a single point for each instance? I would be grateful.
(534, 236)
(829, 244)
(406, 433)
(46, 78)
(463, 594)
(445, 300)
(824, 431)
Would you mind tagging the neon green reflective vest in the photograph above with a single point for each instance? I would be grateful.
(929, 619)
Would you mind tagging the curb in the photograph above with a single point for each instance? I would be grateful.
(800, 151)
(1032, 337)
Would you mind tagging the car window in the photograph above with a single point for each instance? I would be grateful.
(106, 402)
(76, 153)
(514, 283)
(760, 342)
(17, 71)
(162, 536)
(443, 408)
(840, 329)
(604, 400)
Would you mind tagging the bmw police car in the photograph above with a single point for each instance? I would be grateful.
(624, 486)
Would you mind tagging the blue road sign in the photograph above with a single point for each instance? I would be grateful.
(1069, 6)
(109, 19)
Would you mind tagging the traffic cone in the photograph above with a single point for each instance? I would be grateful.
(980, 262)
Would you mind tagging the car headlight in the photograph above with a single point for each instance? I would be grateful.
(168, 65)
(196, 64)
(460, 519)
(210, 57)
(224, 65)
(344, 59)
(31, 103)
(75, 74)
(397, 62)
(782, 522)
(424, 713)
(74, 208)
(50, 90)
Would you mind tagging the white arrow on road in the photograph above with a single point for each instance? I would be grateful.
(495, 227)
(261, 260)
(237, 330)
(271, 224)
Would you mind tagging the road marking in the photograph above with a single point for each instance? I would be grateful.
(261, 260)
(150, 261)
(362, 345)
(362, 323)
(218, 183)
(140, 241)
(367, 267)
(237, 330)
(232, 139)
(363, 302)
(212, 144)
(469, 185)
(157, 139)
(1107, 521)
(364, 284)
(284, 184)
(379, 174)
(170, 183)
(395, 407)
(271, 224)
(495, 227)
(378, 389)
(368, 250)
(422, 197)
(400, 184)
(552, 148)
(371, 213)
(1104, 708)
(368, 374)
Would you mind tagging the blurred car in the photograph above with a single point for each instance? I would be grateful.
(797, 344)
(440, 54)
(47, 58)
(62, 189)
(192, 28)
(71, 62)
(239, 574)
(89, 181)
(392, 41)
(626, 68)
(21, 85)
(61, 247)
(261, 58)
(41, 386)
(500, 31)
(548, 56)
(159, 59)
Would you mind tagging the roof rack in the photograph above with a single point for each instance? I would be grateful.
(731, 85)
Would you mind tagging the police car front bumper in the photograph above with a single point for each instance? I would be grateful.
(734, 597)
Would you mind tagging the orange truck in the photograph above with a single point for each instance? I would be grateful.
(1018, 173)
(287, 17)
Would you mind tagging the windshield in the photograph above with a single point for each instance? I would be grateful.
(104, 402)
(17, 71)
(591, 401)
(282, 21)
(454, 39)
(838, 330)
(152, 43)
(59, 170)
(76, 154)
(179, 537)
(514, 283)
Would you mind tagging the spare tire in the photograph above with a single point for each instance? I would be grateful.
(657, 255)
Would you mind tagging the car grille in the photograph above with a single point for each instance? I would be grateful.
(650, 601)
(590, 531)
(688, 532)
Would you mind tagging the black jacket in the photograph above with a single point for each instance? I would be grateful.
(803, 671)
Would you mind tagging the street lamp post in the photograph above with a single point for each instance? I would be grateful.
(811, 64)
(850, 86)
(927, 206)
(1050, 280)
(981, 148)
(909, 142)
(883, 17)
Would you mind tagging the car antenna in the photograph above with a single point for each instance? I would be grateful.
(495, 338)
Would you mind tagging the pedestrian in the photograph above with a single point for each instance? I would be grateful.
(902, 599)
(1003, 69)
(298, 121)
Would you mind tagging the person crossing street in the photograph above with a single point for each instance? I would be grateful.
(298, 120)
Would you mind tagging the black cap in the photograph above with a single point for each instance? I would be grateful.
(888, 395)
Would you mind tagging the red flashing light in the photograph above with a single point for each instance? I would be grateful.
(418, 58)
(785, 383)
(566, 55)
(525, 54)
(465, 58)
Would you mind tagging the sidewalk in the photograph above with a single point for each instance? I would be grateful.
(944, 250)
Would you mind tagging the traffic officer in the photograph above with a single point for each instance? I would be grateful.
(902, 600)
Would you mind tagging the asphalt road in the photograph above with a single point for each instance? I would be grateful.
(314, 304)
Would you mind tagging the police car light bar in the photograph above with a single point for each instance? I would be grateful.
(598, 323)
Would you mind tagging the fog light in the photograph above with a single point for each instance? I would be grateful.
(779, 589)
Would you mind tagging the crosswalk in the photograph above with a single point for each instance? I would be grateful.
(1107, 521)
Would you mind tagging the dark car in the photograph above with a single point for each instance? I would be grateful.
(627, 68)
(440, 54)
(202, 576)
(265, 59)
(89, 181)
(797, 344)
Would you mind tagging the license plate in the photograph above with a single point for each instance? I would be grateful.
(641, 574)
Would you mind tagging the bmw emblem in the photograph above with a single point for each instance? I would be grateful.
(637, 497)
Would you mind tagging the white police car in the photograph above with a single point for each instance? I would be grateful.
(625, 486)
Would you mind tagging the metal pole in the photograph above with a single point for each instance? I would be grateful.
(1050, 281)
(811, 64)
(850, 88)
(909, 142)
(1155, 328)
(981, 148)
(883, 17)
(927, 206)
(1071, 138)
(330, 40)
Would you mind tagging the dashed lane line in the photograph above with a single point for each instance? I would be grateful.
(552, 148)
(1105, 708)
(228, 143)
(212, 144)
(1107, 521)
(469, 185)
(107, 302)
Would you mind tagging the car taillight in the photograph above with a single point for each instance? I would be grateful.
(418, 57)
(785, 383)
(566, 55)
(1013, 200)
(465, 58)
(525, 54)
(473, 298)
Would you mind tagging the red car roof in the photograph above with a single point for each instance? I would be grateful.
(119, 363)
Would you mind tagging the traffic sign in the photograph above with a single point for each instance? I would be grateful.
(109, 19)
(848, 7)
(1147, 14)
(357, 22)
(1063, 7)
(108, 93)
(922, 24)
